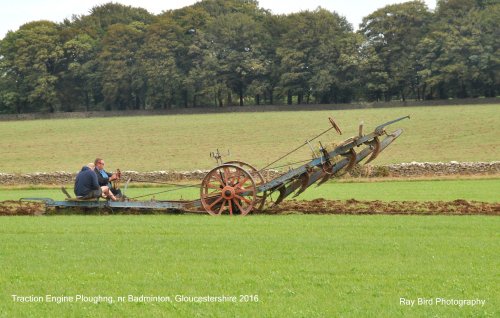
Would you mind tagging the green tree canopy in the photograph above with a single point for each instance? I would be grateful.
(216, 53)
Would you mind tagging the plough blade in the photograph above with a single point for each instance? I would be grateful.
(376, 150)
(306, 182)
(352, 160)
(282, 190)
(348, 163)
(363, 154)
(386, 142)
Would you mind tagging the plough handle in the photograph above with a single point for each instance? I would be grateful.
(379, 130)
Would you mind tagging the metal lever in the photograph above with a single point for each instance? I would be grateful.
(380, 129)
(334, 124)
(217, 156)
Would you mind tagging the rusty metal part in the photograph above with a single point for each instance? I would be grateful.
(327, 177)
(347, 164)
(362, 155)
(63, 189)
(228, 188)
(334, 124)
(327, 167)
(258, 179)
(116, 183)
(283, 192)
(360, 129)
(376, 150)
(327, 164)
(304, 182)
(379, 130)
(352, 159)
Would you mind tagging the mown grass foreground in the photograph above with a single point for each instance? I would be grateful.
(288, 266)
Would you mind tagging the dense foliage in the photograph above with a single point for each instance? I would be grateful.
(232, 52)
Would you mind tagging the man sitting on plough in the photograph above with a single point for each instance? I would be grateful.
(87, 186)
(105, 178)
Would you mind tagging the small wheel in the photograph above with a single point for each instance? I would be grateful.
(257, 177)
(228, 188)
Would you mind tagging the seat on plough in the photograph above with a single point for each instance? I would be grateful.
(81, 199)
(69, 198)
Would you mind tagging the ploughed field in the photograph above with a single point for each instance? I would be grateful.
(316, 206)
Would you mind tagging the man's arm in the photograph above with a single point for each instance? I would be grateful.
(95, 183)
(111, 176)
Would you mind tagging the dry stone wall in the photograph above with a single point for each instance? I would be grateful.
(412, 169)
(416, 169)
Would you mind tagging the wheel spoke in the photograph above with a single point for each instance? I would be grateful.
(217, 190)
(215, 202)
(239, 206)
(213, 192)
(235, 177)
(230, 204)
(241, 183)
(226, 175)
(243, 190)
(242, 198)
(213, 186)
(218, 178)
(222, 206)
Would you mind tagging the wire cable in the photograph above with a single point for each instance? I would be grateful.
(171, 190)
(289, 153)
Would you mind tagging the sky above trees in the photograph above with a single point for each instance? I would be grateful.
(16, 13)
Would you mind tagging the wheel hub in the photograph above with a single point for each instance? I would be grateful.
(228, 192)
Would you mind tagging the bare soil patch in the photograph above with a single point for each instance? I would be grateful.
(318, 206)
(322, 206)
(21, 208)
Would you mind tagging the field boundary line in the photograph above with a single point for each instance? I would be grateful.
(249, 109)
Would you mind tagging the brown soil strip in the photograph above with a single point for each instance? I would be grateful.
(21, 208)
(321, 206)
(318, 206)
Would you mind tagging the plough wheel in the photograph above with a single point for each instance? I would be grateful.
(228, 188)
(257, 178)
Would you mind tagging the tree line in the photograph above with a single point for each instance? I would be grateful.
(218, 53)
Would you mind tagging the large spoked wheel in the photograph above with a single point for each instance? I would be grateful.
(257, 178)
(228, 188)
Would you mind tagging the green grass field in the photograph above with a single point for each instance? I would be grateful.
(485, 190)
(183, 142)
(297, 266)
